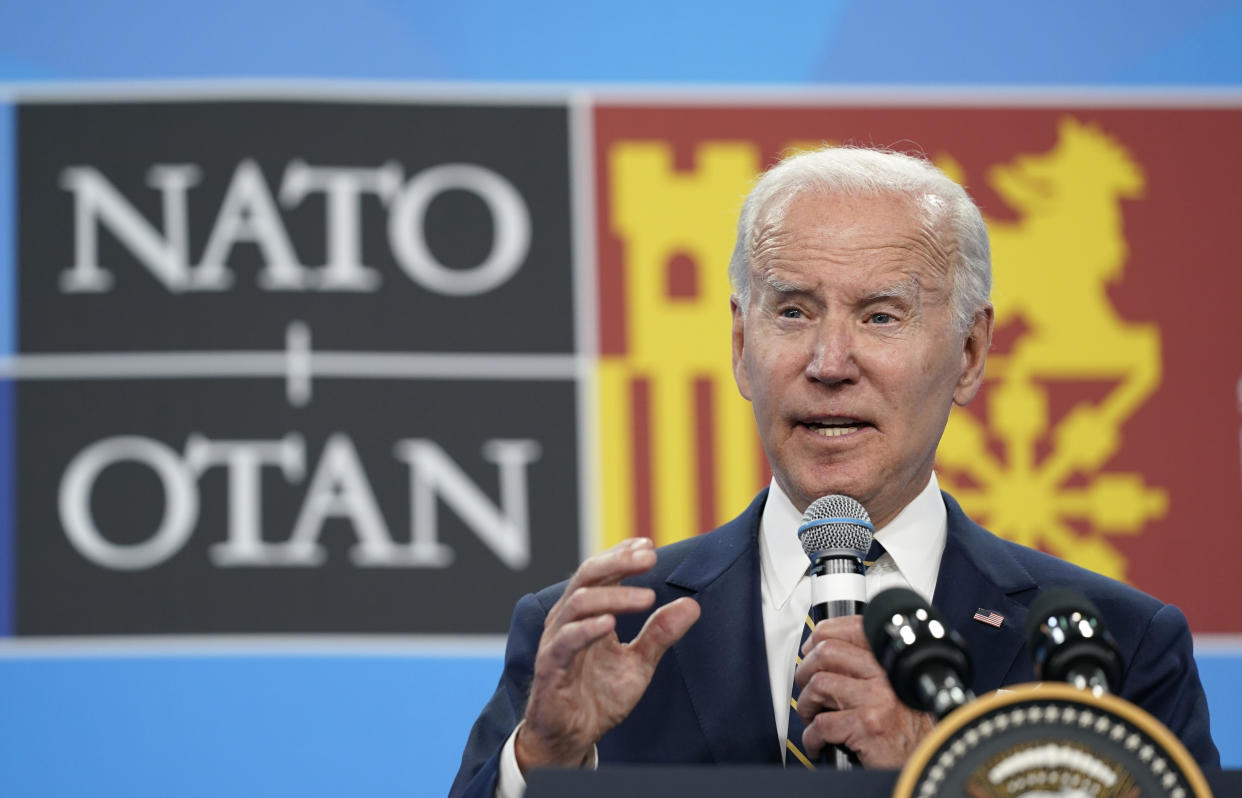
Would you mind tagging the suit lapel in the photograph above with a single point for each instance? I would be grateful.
(977, 572)
(723, 658)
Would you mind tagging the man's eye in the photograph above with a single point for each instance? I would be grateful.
(791, 313)
(881, 318)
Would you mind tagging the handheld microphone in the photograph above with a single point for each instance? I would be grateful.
(835, 534)
(926, 660)
(1070, 642)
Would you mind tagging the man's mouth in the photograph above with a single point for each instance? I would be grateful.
(835, 427)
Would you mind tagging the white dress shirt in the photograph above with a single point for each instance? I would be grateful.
(913, 542)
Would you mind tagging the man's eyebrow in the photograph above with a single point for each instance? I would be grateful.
(907, 291)
(774, 283)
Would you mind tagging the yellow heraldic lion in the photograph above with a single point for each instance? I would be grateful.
(1052, 268)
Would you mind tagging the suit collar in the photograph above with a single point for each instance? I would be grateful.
(723, 657)
(979, 572)
(706, 563)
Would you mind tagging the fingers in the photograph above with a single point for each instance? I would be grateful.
(587, 601)
(847, 629)
(627, 558)
(838, 646)
(585, 612)
(570, 639)
(666, 626)
(588, 614)
(845, 699)
(825, 692)
(837, 657)
(595, 587)
(585, 680)
(881, 736)
(831, 728)
(836, 674)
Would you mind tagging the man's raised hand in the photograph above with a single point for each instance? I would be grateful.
(586, 680)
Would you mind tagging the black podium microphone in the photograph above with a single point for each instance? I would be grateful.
(925, 659)
(835, 534)
(1070, 643)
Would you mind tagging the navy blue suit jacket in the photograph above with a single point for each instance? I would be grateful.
(710, 698)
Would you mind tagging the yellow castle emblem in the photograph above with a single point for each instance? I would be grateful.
(678, 451)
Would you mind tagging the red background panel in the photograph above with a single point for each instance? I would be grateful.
(1183, 274)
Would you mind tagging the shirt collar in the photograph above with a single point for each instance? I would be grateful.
(782, 559)
(914, 541)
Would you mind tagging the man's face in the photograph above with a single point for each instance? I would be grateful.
(849, 351)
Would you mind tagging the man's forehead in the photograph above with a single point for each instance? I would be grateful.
(879, 233)
(812, 202)
(811, 211)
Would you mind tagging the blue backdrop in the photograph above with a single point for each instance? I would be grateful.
(374, 717)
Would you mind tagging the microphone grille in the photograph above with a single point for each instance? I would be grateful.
(835, 522)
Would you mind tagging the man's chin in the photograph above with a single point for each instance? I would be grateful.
(809, 490)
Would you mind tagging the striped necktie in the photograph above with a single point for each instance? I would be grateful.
(793, 737)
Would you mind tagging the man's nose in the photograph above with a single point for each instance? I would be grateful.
(833, 357)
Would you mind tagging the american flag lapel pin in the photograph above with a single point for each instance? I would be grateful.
(990, 617)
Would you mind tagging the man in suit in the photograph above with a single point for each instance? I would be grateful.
(860, 317)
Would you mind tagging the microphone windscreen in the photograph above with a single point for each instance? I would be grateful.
(888, 603)
(835, 522)
(1057, 601)
(924, 658)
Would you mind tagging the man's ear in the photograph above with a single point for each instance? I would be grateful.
(975, 355)
(739, 345)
